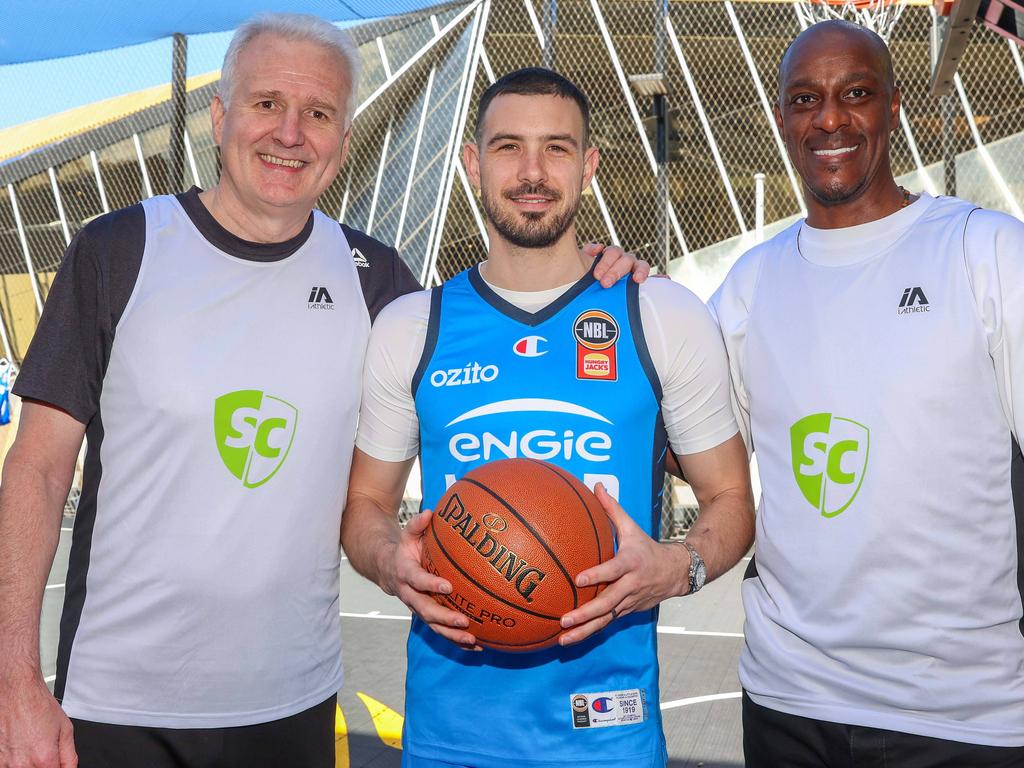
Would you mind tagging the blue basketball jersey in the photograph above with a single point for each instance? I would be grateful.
(572, 384)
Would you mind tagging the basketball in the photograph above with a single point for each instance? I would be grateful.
(511, 537)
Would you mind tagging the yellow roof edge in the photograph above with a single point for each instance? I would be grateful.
(22, 138)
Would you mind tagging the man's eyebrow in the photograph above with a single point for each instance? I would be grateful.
(323, 106)
(812, 83)
(566, 137)
(316, 103)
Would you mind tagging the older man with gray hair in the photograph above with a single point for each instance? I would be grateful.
(209, 345)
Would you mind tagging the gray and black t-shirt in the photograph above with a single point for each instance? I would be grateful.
(219, 381)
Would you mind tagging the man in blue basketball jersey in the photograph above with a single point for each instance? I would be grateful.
(526, 355)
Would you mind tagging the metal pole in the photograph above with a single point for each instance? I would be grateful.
(661, 154)
(33, 278)
(759, 206)
(550, 22)
(661, 139)
(176, 147)
(948, 145)
(3, 336)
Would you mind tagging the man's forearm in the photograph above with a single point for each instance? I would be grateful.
(724, 531)
(369, 535)
(31, 507)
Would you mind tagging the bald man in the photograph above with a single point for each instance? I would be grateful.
(873, 356)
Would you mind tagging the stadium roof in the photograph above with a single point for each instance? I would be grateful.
(19, 139)
(34, 30)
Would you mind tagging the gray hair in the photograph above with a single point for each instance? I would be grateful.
(299, 27)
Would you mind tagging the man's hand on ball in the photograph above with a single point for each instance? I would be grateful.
(411, 583)
(641, 575)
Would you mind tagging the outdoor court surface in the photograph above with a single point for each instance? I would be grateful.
(699, 642)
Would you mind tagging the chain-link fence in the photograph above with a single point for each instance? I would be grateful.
(691, 211)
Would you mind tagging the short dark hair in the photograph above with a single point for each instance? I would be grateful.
(534, 81)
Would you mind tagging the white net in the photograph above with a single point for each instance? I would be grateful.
(879, 16)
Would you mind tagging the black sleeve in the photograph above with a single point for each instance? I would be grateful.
(382, 273)
(67, 359)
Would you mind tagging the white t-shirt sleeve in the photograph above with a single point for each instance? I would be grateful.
(730, 306)
(389, 428)
(688, 356)
(994, 255)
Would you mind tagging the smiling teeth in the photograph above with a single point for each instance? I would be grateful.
(833, 152)
(281, 161)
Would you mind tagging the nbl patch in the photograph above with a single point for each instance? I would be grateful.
(608, 708)
(596, 334)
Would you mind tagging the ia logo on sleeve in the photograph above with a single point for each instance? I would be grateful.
(254, 432)
(830, 459)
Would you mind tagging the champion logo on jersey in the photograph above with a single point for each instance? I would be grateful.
(359, 258)
(913, 300)
(320, 298)
(530, 346)
(603, 704)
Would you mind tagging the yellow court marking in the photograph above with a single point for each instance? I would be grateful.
(340, 740)
(387, 722)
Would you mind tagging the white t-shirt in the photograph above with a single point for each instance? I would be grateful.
(684, 344)
(876, 375)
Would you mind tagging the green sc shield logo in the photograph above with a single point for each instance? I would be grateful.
(254, 432)
(830, 458)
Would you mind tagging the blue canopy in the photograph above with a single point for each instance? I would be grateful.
(31, 30)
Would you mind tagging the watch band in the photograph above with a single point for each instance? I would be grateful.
(698, 570)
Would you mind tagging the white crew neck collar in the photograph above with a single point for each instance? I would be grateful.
(529, 300)
(850, 245)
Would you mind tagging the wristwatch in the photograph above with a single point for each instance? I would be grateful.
(698, 571)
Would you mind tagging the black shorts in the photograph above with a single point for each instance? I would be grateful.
(305, 740)
(773, 739)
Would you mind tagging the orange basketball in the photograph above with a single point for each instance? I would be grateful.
(511, 537)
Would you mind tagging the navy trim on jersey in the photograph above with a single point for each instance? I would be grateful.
(658, 470)
(639, 340)
(751, 570)
(433, 329)
(531, 319)
(81, 547)
(1017, 489)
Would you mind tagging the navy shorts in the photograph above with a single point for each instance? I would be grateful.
(304, 740)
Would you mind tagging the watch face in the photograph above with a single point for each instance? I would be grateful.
(701, 575)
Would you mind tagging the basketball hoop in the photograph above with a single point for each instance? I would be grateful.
(880, 16)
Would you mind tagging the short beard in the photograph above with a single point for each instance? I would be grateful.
(529, 230)
(833, 193)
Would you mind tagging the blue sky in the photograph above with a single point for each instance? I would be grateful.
(42, 88)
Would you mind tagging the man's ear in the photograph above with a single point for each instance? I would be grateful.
(894, 107)
(471, 159)
(217, 112)
(590, 162)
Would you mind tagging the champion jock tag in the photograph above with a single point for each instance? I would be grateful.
(596, 334)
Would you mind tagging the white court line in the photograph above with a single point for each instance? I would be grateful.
(374, 615)
(55, 586)
(684, 631)
(699, 700)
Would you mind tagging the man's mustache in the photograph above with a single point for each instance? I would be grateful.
(532, 189)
